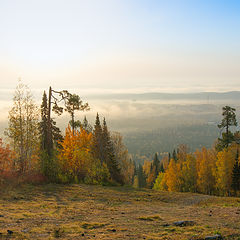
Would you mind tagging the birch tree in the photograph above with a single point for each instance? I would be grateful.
(23, 128)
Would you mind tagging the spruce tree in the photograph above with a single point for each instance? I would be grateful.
(156, 165)
(174, 155)
(135, 168)
(56, 135)
(109, 155)
(43, 129)
(97, 140)
(43, 123)
(106, 142)
(86, 126)
(236, 174)
(47, 149)
(141, 177)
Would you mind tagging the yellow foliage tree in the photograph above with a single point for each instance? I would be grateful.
(76, 160)
(224, 167)
(206, 164)
(172, 179)
(188, 174)
(22, 129)
(74, 157)
(160, 183)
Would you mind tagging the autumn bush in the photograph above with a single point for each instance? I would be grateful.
(6, 163)
(6, 157)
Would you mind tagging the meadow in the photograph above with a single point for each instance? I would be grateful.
(80, 211)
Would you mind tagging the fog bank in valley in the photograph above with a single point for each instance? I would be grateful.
(152, 121)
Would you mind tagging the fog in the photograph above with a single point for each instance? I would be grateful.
(153, 115)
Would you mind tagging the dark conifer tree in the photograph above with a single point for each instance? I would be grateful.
(156, 165)
(46, 148)
(109, 155)
(151, 167)
(135, 168)
(174, 155)
(229, 119)
(141, 177)
(43, 123)
(106, 142)
(97, 140)
(56, 133)
(74, 103)
(161, 167)
(43, 130)
(103, 149)
(86, 126)
(236, 174)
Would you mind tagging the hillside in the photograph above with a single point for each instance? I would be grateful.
(96, 212)
(150, 122)
(205, 96)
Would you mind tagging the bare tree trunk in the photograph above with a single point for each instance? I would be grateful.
(73, 123)
(21, 158)
(49, 132)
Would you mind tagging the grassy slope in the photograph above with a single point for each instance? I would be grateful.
(68, 211)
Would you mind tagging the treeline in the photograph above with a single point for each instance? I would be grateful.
(37, 150)
(209, 171)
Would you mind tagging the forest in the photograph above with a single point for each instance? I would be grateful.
(37, 152)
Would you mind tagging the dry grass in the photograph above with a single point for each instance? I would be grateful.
(95, 212)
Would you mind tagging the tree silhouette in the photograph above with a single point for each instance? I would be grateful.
(229, 119)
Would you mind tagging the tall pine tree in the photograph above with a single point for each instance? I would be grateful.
(47, 147)
(229, 120)
(74, 103)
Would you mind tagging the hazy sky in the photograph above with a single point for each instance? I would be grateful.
(181, 45)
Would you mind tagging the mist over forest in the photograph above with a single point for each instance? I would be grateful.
(151, 122)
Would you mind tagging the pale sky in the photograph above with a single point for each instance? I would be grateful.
(121, 45)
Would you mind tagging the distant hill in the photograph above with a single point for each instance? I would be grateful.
(167, 139)
(233, 95)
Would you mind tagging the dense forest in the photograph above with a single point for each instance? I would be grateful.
(165, 139)
(37, 151)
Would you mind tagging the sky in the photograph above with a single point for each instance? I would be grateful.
(121, 45)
